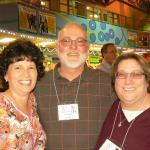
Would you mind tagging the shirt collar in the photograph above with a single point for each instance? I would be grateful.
(86, 74)
(106, 64)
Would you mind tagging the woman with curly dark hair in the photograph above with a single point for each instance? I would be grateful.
(21, 65)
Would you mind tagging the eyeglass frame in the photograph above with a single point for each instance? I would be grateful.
(70, 41)
(133, 75)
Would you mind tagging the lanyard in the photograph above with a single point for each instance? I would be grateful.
(127, 131)
(58, 99)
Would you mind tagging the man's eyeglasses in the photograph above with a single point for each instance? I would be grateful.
(133, 75)
(69, 42)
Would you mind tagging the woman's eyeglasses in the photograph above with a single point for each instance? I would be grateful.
(133, 75)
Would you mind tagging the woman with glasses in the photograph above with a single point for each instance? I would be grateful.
(127, 125)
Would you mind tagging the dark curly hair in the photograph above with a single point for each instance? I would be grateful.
(20, 50)
(139, 59)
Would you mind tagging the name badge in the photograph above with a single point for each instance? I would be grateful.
(68, 112)
(108, 145)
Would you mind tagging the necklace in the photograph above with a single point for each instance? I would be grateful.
(130, 116)
(120, 123)
(127, 131)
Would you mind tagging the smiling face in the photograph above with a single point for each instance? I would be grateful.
(130, 84)
(72, 46)
(21, 76)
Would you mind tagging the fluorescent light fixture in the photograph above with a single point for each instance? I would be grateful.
(7, 40)
(42, 3)
(45, 43)
(87, 7)
(91, 16)
(95, 16)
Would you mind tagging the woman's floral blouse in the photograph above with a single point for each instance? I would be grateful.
(19, 131)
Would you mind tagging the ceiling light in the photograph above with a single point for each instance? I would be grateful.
(46, 43)
(87, 7)
(91, 16)
(7, 40)
(95, 16)
(42, 3)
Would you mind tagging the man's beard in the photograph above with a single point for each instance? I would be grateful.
(64, 58)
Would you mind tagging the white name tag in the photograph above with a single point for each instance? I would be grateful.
(68, 112)
(108, 145)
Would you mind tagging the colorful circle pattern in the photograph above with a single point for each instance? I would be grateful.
(101, 33)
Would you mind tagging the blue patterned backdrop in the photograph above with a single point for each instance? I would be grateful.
(99, 32)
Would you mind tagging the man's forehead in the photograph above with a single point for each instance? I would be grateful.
(111, 48)
(73, 31)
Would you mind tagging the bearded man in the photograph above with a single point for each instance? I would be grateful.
(73, 99)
